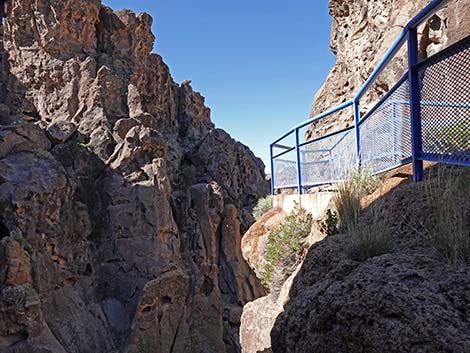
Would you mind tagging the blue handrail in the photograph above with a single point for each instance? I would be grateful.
(404, 36)
(422, 16)
(316, 118)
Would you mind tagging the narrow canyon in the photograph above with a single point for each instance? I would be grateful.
(126, 215)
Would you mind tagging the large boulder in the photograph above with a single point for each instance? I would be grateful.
(394, 303)
(411, 299)
(255, 240)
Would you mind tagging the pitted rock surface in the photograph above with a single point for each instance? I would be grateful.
(121, 205)
(361, 33)
(409, 300)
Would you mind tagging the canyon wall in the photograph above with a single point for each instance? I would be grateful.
(121, 204)
(361, 33)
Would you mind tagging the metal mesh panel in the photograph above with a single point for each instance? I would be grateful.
(328, 159)
(445, 104)
(385, 132)
(285, 170)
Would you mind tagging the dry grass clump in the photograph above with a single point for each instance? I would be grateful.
(371, 238)
(448, 195)
(366, 239)
(445, 227)
(347, 201)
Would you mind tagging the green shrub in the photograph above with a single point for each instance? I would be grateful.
(454, 136)
(287, 240)
(449, 227)
(264, 205)
(330, 225)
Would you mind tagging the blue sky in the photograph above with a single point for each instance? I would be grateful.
(258, 62)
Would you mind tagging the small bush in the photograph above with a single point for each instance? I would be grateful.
(264, 205)
(364, 181)
(287, 240)
(449, 228)
(347, 201)
(330, 225)
(453, 136)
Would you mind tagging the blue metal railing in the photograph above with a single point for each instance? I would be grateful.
(335, 151)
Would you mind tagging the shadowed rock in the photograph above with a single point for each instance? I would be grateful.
(128, 205)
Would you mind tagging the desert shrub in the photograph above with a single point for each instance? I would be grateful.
(363, 180)
(330, 225)
(448, 195)
(287, 240)
(347, 200)
(264, 205)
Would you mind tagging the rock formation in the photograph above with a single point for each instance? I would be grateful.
(409, 300)
(259, 316)
(334, 304)
(361, 33)
(121, 205)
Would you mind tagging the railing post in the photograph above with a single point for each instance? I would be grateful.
(415, 106)
(357, 118)
(330, 164)
(272, 168)
(304, 163)
(299, 166)
(394, 132)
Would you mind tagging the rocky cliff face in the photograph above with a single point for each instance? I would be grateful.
(361, 33)
(121, 205)
(331, 303)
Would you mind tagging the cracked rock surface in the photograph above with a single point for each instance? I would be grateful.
(121, 205)
(361, 33)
